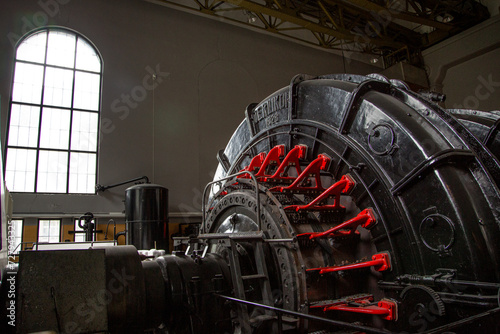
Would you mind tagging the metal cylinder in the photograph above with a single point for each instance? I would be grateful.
(146, 214)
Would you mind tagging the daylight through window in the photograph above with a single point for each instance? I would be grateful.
(15, 235)
(49, 230)
(80, 237)
(54, 114)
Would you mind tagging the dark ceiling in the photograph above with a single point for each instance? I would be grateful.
(395, 30)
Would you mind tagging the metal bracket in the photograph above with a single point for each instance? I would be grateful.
(365, 219)
(343, 186)
(291, 160)
(322, 162)
(273, 157)
(385, 308)
(293, 90)
(355, 101)
(248, 118)
(440, 157)
(223, 160)
(255, 163)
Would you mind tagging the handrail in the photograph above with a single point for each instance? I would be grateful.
(224, 179)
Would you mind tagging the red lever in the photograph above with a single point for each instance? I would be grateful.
(291, 159)
(344, 185)
(256, 162)
(380, 262)
(364, 219)
(386, 308)
(312, 170)
(273, 157)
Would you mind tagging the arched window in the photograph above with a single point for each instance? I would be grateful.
(53, 128)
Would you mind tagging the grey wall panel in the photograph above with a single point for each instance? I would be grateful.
(209, 72)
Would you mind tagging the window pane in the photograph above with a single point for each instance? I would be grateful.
(43, 239)
(15, 238)
(86, 57)
(49, 230)
(55, 128)
(61, 49)
(52, 172)
(79, 236)
(87, 87)
(33, 48)
(53, 229)
(44, 228)
(20, 170)
(23, 129)
(18, 228)
(53, 239)
(27, 83)
(58, 87)
(82, 173)
(84, 131)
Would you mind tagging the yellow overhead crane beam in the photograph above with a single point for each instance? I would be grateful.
(355, 25)
(289, 16)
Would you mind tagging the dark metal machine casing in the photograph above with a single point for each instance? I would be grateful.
(430, 179)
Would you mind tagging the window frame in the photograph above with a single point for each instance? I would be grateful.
(49, 220)
(72, 110)
(76, 227)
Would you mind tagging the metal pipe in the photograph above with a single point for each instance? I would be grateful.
(107, 226)
(280, 240)
(100, 187)
(119, 234)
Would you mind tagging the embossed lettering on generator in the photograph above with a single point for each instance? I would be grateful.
(267, 111)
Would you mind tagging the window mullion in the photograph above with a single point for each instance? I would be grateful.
(56, 66)
(41, 111)
(72, 113)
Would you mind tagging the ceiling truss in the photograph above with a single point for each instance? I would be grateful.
(392, 29)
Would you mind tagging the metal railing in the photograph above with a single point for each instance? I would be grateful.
(209, 185)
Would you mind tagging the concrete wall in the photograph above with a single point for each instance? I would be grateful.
(466, 67)
(208, 72)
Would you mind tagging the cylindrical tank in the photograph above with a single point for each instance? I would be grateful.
(146, 214)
